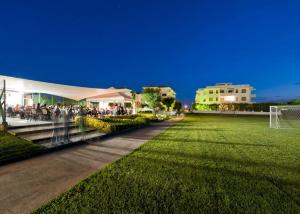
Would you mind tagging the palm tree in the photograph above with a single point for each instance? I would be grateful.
(133, 94)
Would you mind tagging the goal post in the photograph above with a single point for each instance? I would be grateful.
(285, 117)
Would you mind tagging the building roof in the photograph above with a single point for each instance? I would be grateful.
(225, 85)
(155, 86)
(111, 95)
(160, 87)
(67, 91)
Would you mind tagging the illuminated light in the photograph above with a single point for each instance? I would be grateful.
(19, 87)
(229, 98)
(14, 98)
(185, 106)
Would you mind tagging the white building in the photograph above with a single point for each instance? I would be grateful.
(225, 93)
(165, 91)
(28, 92)
(103, 101)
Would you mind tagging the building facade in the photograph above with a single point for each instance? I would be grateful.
(224, 93)
(165, 91)
(29, 92)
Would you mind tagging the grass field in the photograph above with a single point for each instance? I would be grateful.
(13, 147)
(205, 164)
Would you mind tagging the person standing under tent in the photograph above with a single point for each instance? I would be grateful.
(56, 115)
(66, 117)
(81, 114)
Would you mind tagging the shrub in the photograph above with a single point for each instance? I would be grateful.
(110, 125)
(123, 124)
(257, 107)
(163, 116)
(133, 116)
(294, 102)
(205, 107)
(152, 118)
(96, 123)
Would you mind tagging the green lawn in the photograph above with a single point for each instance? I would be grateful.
(13, 147)
(205, 164)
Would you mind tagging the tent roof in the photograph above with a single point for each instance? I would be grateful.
(67, 91)
(111, 95)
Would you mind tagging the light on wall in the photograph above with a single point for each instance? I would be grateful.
(229, 98)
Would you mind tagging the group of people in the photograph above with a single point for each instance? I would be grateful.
(51, 112)
(61, 115)
(37, 112)
(113, 110)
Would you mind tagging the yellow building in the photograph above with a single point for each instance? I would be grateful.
(225, 93)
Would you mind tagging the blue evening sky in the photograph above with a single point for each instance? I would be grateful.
(185, 44)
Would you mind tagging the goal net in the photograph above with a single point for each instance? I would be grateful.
(284, 117)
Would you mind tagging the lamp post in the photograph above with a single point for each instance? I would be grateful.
(186, 108)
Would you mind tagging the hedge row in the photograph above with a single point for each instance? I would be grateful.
(258, 107)
(110, 125)
(95, 123)
(133, 116)
(152, 118)
(123, 124)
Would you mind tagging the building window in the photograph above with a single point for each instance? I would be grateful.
(211, 91)
(244, 98)
(222, 91)
(217, 99)
(211, 99)
(230, 91)
(164, 95)
(244, 90)
(236, 90)
(217, 91)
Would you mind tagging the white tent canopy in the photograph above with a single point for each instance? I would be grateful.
(71, 92)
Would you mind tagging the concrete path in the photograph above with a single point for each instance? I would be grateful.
(15, 121)
(26, 185)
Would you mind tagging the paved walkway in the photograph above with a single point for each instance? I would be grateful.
(15, 121)
(26, 185)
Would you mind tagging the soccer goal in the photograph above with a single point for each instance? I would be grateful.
(284, 117)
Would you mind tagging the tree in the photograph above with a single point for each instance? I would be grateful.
(178, 106)
(294, 102)
(168, 102)
(133, 101)
(151, 97)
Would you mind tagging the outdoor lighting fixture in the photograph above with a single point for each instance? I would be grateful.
(185, 106)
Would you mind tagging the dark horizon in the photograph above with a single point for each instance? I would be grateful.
(133, 43)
